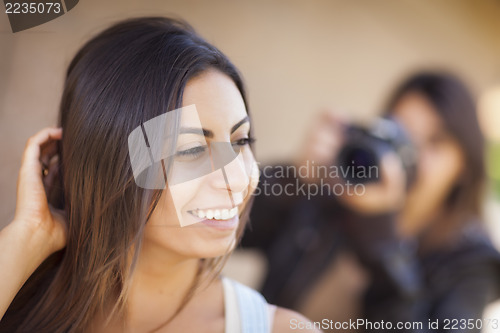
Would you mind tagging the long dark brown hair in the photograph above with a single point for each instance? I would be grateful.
(455, 106)
(126, 75)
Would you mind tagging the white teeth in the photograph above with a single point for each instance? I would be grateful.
(216, 214)
(233, 212)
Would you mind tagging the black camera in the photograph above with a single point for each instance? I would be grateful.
(359, 158)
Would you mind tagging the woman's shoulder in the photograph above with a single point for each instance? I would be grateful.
(475, 242)
(255, 314)
(286, 320)
(473, 254)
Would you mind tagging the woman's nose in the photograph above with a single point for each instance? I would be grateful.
(232, 176)
(237, 176)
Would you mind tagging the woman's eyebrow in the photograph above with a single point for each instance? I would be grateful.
(197, 130)
(209, 133)
(239, 123)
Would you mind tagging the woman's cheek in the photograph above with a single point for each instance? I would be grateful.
(180, 198)
(254, 176)
(441, 169)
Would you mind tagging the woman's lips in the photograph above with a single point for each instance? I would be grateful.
(222, 224)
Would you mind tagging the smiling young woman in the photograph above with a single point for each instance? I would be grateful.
(115, 256)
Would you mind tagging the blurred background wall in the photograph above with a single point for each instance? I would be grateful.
(296, 56)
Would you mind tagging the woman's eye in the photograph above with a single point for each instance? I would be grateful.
(191, 152)
(243, 142)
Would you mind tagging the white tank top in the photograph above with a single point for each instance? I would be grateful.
(246, 310)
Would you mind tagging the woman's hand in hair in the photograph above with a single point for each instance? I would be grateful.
(36, 177)
(37, 230)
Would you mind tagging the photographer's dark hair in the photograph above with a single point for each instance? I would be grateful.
(130, 73)
(456, 107)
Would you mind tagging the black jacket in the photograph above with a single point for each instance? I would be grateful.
(300, 235)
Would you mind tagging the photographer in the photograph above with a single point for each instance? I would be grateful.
(420, 241)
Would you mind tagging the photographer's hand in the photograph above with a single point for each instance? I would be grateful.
(323, 142)
(37, 229)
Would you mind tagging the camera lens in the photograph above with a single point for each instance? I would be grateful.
(356, 162)
(359, 159)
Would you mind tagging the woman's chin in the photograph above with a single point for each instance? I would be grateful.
(213, 249)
